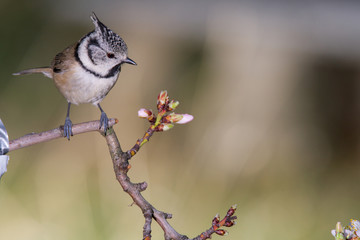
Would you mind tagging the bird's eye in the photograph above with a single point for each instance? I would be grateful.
(110, 55)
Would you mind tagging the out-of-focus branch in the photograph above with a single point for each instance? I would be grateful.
(34, 138)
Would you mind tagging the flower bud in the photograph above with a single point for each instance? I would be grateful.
(229, 223)
(221, 232)
(216, 219)
(172, 105)
(162, 98)
(339, 227)
(144, 113)
(338, 232)
(231, 211)
(172, 118)
(185, 118)
(168, 126)
(164, 127)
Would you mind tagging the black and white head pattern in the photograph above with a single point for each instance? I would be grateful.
(110, 39)
(101, 52)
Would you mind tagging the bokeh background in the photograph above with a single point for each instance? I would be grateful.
(274, 88)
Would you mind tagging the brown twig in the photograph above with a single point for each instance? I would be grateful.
(227, 221)
(162, 122)
(34, 138)
(142, 141)
(121, 166)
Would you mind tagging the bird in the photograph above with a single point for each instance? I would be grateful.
(87, 70)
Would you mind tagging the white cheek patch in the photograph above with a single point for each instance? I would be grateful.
(96, 55)
(95, 65)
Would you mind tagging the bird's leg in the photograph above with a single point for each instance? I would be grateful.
(68, 124)
(103, 119)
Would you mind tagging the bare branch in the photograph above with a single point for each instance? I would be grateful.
(162, 122)
(147, 226)
(34, 138)
(121, 167)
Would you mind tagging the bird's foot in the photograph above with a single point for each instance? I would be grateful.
(68, 128)
(104, 121)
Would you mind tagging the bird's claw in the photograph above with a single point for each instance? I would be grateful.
(104, 121)
(68, 128)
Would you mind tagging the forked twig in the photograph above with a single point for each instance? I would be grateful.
(163, 121)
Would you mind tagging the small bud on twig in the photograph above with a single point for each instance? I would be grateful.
(232, 210)
(221, 232)
(164, 127)
(163, 99)
(172, 118)
(172, 105)
(185, 119)
(144, 113)
(216, 219)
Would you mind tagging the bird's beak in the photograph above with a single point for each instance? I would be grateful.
(129, 61)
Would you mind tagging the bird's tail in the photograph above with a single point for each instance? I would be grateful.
(45, 70)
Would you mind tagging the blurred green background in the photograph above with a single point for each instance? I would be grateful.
(274, 88)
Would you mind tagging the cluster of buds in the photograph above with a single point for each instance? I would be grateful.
(352, 231)
(165, 119)
(227, 221)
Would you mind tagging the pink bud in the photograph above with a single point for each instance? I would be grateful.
(144, 113)
(185, 118)
(173, 118)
